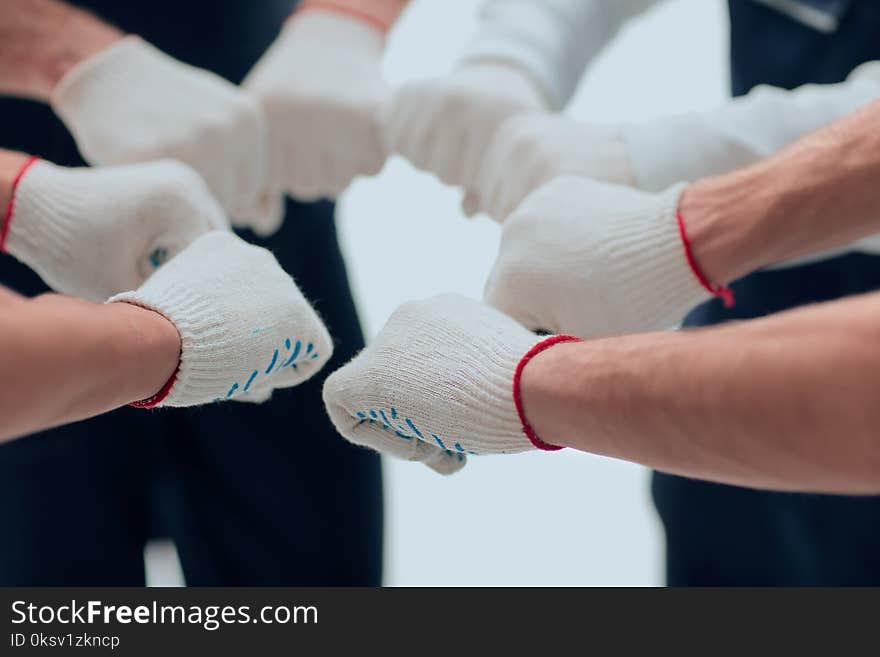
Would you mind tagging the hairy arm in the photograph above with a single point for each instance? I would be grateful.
(816, 195)
(64, 359)
(41, 40)
(786, 403)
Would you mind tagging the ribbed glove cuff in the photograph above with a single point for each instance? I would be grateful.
(527, 429)
(651, 265)
(204, 362)
(41, 224)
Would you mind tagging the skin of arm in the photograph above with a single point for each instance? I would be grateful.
(788, 402)
(42, 40)
(785, 403)
(817, 194)
(64, 359)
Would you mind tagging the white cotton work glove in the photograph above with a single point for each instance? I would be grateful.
(322, 89)
(245, 327)
(594, 260)
(445, 126)
(133, 103)
(533, 149)
(437, 384)
(94, 232)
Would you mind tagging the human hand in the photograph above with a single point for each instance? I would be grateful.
(438, 383)
(594, 260)
(245, 327)
(322, 89)
(533, 149)
(133, 103)
(95, 232)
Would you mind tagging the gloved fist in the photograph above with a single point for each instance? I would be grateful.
(245, 327)
(531, 150)
(594, 260)
(445, 126)
(436, 384)
(322, 89)
(95, 232)
(132, 103)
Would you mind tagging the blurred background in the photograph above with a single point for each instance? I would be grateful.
(534, 519)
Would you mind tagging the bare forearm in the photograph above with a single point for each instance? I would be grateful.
(64, 359)
(788, 402)
(11, 163)
(41, 40)
(816, 195)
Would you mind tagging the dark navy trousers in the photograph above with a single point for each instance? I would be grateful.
(724, 535)
(251, 494)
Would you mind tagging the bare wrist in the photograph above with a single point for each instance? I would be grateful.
(11, 163)
(542, 393)
(87, 38)
(724, 217)
(155, 348)
(43, 40)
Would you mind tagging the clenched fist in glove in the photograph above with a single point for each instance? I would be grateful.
(95, 232)
(322, 89)
(133, 103)
(595, 260)
(440, 381)
(245, 327)
(445, 126)
(531, 150)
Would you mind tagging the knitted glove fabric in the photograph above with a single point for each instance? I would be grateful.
(594, 260)
(133, 103)
(245, 327)
(322, 89)
(94, 232)
(445, 126)
(436, 384)
(531, 150)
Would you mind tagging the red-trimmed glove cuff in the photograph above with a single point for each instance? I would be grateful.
(721, 291)
(10, 207)
(341, 8)
(517, 392)
(159, 397)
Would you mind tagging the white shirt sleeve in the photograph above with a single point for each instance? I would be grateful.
(551, 41)
(692, 146)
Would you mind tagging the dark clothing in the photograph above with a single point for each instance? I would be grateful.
(251, 494)
(718, 535)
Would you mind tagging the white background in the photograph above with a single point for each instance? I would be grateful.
(552, 519)
(539, 518)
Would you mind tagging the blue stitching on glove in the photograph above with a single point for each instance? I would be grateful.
(296, 349)
(158, 257)
(414, 428)
(290, 361)
(372, 417)
(250, 380)
(272, 364)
